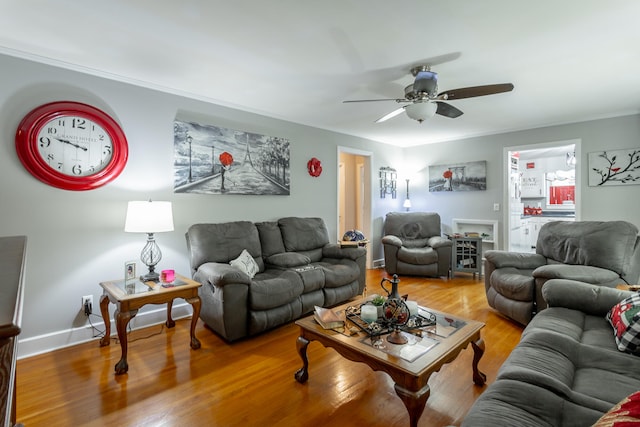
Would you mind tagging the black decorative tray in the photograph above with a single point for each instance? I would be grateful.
(415, 325)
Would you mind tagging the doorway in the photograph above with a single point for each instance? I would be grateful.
(531, 172)
(354, 193)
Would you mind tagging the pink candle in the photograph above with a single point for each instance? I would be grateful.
(167, 276)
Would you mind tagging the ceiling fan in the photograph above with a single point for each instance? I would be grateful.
(424, 101)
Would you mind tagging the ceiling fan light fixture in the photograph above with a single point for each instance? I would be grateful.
(421, 111)
(423, 100)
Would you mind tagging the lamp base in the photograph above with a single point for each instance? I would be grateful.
(152, 276)
(151, 256)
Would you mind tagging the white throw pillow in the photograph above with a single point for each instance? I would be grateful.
(246, 264)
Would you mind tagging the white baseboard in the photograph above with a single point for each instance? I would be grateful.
(48, 342)
(378, 263)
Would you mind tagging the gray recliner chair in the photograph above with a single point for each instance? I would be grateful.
(414, 245)
(595, 252)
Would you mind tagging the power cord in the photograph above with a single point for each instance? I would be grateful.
(98, 333)
(116, 340)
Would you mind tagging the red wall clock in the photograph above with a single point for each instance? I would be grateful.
(71, 145)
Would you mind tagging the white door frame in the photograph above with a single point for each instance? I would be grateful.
(529, 147)
(341, 199)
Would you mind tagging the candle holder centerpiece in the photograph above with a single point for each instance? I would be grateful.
(396, 315)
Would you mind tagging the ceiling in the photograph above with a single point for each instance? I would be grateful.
(297, 60)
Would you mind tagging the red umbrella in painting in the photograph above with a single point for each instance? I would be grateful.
(447, 177)
(226, 159)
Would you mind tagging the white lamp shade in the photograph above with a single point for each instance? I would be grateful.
(421, 110)
(407, 203)
(149, 217)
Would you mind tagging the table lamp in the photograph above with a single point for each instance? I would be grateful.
(407, 201)
(149, 217)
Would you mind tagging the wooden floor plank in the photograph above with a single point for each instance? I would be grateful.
(251, 383)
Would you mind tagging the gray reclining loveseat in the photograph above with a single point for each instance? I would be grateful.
(567, 369)
(295, 269)
(601, 253)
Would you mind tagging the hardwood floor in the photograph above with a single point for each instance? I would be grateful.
(251, 383)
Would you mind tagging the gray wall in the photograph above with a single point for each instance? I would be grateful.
(597, 203)
(76, 239)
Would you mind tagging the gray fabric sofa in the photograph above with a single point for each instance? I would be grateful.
(414, 245)
(596, 252)
(566, 369)
(297, 269)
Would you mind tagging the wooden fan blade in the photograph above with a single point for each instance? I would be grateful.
(374, 100)
(470, 92)
(448, 110)
(391, 114)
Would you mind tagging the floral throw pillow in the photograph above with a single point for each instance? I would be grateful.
(624, 414)
(245, 263)
(625, 319)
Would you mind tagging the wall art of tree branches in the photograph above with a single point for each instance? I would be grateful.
(614, 167)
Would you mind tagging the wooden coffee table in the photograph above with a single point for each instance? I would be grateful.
(129, 299)
(410, 375)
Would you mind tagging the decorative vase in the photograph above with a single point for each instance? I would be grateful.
(395, 311)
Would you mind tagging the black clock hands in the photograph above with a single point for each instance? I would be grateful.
(71, 143)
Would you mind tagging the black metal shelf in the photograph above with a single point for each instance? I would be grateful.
(466, 255)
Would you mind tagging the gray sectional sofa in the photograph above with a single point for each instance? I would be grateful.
(296, 268)
(604, 253)
(567, 369)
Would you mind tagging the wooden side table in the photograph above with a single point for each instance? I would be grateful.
(128, 299)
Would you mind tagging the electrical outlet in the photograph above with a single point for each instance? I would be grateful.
(87, 304)
(496, 207)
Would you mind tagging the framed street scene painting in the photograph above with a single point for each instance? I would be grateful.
(215, 160)
(469, 176)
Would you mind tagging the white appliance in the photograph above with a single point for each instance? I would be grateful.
(517, 241)
(515, 179)
(516, 207)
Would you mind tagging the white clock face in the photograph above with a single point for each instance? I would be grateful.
(75, 146)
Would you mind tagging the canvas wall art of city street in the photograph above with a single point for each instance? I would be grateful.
(215, 160)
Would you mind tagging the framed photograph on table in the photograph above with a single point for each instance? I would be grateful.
(130, 272)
